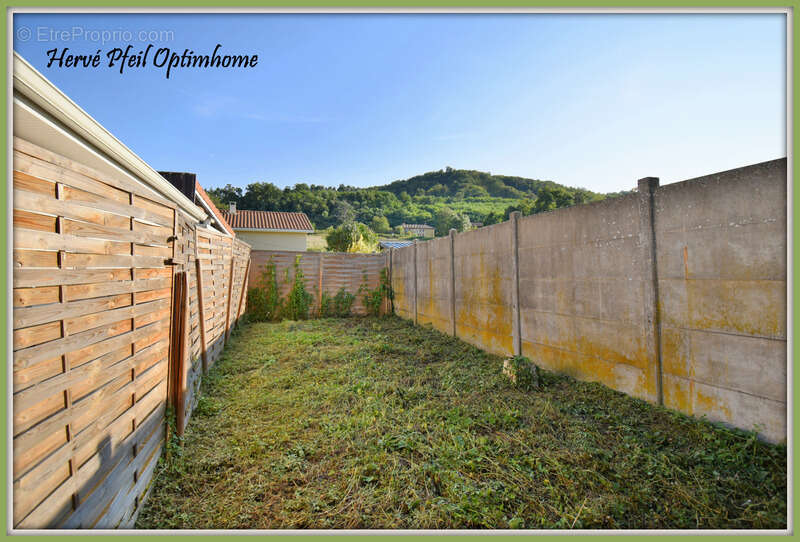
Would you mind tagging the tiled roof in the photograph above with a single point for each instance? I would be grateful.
(268, 220)
(217, 213)
(417, 226)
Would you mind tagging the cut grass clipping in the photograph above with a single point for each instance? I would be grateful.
(373, 423)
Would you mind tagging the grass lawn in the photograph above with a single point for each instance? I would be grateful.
(317, 242)
(373, 423)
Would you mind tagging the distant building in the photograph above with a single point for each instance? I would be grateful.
(386, 245)
(270, 230)
(420, 230)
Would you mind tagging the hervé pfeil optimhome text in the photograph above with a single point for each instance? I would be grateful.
(163, 58)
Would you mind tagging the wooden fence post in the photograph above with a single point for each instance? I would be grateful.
(453, 280)
(516, 330)
(241, 293)
(230, 294)
(200, 311)
(245, 286)
(183, 325)
(173, 304)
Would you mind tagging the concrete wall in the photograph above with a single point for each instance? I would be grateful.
(582, 294)
(674, 294)
(433, 284)
(484, 287)
(401, 263)
(721, 260)
(273, 240)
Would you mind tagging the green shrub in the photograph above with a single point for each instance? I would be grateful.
(299, 300)
(256, 305)
(351, 237)
(263, 300)
(373, 299)
(338, 306)
(264, 303)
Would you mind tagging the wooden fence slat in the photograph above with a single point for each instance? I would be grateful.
(29, 397)
(41, 314)
(32, 278)
(42, 240)
(94, 337)
(38, 203)
(64, 167)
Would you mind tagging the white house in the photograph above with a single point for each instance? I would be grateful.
(269, 230)
(421, 230)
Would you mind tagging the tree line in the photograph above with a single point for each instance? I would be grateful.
(448, 198)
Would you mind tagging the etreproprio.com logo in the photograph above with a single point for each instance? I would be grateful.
(46, 34)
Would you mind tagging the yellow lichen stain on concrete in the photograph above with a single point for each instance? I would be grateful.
(588, 368)
(673, 354)
(637, 358)
(545, 356)
(684, 395)
(586, 360)
(711, 406)
(676, 394)
(482, 318)
(714, 305)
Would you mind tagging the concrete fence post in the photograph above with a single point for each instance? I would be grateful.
(652, 323)
(515, 312)
(416, 318)
(453, 280)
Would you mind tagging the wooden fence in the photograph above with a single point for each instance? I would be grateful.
(322, 272)
(108, 328)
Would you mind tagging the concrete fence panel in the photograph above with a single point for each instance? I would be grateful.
(674, 294)
(721, 260)
(403, 282)
(483, 277)
(433, 284)
(582, 294)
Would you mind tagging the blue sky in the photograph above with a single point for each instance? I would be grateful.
(596, 101)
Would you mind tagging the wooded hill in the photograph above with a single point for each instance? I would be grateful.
(478, 195)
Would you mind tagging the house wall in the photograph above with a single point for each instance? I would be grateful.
(674, 294)
(274, 240)
(421, 232)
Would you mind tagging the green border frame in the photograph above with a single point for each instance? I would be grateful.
(433, 4)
